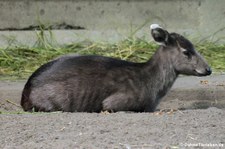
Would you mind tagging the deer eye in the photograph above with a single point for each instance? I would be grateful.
(188, 54)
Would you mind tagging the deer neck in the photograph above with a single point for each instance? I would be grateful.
(161, 73)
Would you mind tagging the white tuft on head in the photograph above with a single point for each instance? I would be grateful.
(154, 26)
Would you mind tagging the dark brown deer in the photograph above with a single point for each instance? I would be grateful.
(97, 83)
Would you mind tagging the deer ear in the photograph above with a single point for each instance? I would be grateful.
(159, 34)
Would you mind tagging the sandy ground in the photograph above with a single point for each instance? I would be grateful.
(188, 128)
(179, 129)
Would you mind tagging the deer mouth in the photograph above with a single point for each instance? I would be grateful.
(200, 73)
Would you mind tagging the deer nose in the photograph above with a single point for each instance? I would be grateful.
(208, 71)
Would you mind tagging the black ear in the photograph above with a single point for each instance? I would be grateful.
(160, 35)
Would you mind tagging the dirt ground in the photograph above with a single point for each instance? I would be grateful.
(181, 129)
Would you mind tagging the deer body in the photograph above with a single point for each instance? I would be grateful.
(97, 83)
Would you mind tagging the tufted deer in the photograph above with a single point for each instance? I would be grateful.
(97, 83)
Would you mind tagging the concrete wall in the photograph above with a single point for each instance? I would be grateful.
(112, 20)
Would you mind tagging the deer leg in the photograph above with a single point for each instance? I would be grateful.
(121, 102)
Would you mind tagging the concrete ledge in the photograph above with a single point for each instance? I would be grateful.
(30, 38)
(187, 93)
(108, 20)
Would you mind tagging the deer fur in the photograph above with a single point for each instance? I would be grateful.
(96, 83)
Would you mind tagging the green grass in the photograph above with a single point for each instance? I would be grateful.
(21, 61)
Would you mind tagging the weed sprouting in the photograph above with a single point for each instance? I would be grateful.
(20, 61)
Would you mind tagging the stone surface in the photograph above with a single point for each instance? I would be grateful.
(112, 20)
